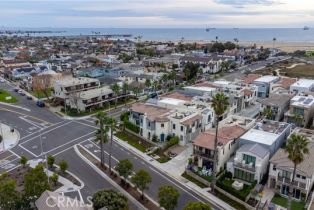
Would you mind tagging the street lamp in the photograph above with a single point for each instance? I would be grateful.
(42, 153)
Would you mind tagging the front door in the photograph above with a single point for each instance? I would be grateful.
(162, 137)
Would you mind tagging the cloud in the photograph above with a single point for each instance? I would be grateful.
(246, 2)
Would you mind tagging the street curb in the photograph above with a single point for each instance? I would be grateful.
(154, 163)
(108, 178)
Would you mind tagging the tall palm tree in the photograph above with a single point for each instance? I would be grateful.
(125, 89)
(155, 85)
(101, 134)
(274, 40)
(297, 148)
(172, 76)
(268, 113)
(111, 123)
(116, 89)
(148, 83)
(136, 91)
(220, 104)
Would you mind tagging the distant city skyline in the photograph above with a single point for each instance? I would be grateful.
(157, 13)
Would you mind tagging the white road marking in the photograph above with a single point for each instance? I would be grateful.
(69, 142)
(27, 150)
(86, 124)
(44, 132)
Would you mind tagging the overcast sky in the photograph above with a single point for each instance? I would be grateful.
(157, 13)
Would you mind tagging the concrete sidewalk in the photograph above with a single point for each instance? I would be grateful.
(9, 139)
(174, 171)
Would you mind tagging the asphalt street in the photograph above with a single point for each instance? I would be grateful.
(58, 137)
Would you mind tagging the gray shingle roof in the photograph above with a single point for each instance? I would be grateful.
(255, 149)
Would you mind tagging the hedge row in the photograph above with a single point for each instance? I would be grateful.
(132, 127)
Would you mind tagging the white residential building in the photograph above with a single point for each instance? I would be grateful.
(270, 134)
(161, 122)
(250, 163)
(281, 170)
(263, 83)
(302, 85)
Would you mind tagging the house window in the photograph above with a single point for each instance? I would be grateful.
(249, 159)
(298, 176)
(246, 176)
(173, 126)
(162, 125)
(148, 124)
(298, 111)
(286, 174)
(181, 128)
(303, 177)
(193, 124)
(274, 167)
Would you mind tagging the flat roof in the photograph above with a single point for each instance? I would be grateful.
(92, 93)
(221, 82)
(261, 137)
(171, 101)
(76, 81)
(306, 83)
(265, 132)
(305, 101)
(205, 89)
(267, 79)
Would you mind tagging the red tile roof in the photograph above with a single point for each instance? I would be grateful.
(251, 77)
(225, 134)
(191, 120)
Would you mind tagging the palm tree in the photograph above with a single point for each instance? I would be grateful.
(116, 89)
(125, 88)
(274, 40)
(101, 134)
(172, 76)
(136, 91)
(155, 85)
(220, 104)
(268, 113)
(148, 83)
(297, 148)
(297, 119)
(111, 123)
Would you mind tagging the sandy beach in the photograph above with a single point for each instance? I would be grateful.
(284, 46)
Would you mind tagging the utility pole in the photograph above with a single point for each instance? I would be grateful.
(44, 157)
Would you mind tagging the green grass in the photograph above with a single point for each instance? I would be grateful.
(195, 181)
(207, 178)
(282, 201)
(226, 184)
(131, 139)
(40, 94)
(4, 94)
(231, 202)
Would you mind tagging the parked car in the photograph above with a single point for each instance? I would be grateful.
(21, 93)
(16, 90)
(40, 103)
(29, 98)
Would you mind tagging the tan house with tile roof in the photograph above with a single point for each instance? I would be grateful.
(227, 145)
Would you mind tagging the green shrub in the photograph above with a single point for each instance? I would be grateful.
(132, 127)
(173, 141)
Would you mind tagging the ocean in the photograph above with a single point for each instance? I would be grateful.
(175, 34)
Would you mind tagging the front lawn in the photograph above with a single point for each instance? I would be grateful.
(226, 185)
(4, 94)
(282, 201)
(195, 181)
(132, 140)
